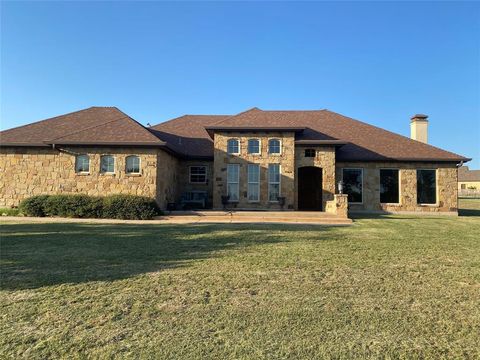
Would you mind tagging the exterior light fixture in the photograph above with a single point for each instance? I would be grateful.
(340, 187)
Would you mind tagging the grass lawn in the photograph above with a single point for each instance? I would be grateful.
(389, 287)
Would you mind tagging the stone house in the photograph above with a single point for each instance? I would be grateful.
(262, 160)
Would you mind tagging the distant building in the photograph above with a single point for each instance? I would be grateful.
(468, 179)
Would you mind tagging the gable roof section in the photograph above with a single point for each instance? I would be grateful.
(92, 126)
(364, 142)
(186, 135)
(465, 174)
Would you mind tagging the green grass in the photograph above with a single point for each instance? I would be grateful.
(386, 287)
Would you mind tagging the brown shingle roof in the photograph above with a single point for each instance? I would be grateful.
(465, 174)
(95, 125)
(365, 142)
(186, 134)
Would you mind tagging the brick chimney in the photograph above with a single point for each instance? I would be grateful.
(419, 128)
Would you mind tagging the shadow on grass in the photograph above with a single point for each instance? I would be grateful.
(469, 212)
(36, 255)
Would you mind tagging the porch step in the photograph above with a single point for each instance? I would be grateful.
(280, 217)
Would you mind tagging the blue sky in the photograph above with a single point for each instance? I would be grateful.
(379, 62)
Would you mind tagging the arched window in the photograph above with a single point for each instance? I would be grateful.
(253, 146)
(132, 164)
(82, 164)
(274, 146)
(107, 164)
(233, 146)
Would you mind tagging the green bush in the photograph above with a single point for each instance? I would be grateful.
(84, 206)
(78, 206)
(129, 207)
(34, 206)
(10, 212)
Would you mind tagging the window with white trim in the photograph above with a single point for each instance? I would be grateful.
(233, 146)
(273, 182)
(82, 163)
(426, 187)
(253, 190)
(132, 163)
(107, 164)
(233, 179)
(253, 146)
(353, 184)
(274, 146)
(198, 174)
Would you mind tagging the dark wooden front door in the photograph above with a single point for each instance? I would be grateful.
(310, 188)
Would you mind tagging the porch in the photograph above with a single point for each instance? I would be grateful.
(256, 217)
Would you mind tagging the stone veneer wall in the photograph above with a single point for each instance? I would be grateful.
(446, 187)
(184, 183)
(325, 159)
(285, 159)
(33, 171)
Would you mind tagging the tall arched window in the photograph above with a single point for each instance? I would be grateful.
(132, 164)
(274, 146)
(107, 164)
(82, 164)
(233, 146)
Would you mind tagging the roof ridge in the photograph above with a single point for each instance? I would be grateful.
(179, 117)
(393, 133)
(240, 113)
(48, 119)
(144, 128)
(87, 128)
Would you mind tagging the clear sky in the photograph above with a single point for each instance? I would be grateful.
(379, 62)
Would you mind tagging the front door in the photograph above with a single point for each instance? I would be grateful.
(310, 188)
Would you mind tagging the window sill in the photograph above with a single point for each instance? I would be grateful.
(428, 205)
(107, 174)
(254, 201)
(134, 175)
(82, 174)
(391, 204)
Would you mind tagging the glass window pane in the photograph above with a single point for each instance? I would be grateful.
(198, 174)
(274, 146)
(309, 152)
(233, 192)
(426, 187)
(233, 146)
(253, 194)
(389, 189)
(107, 164)
(133, 164)
(82, 163)
(273, 192)
(253, 173)
(352, 184)
(274, 173)
(253, 146)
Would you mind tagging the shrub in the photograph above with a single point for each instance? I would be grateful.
(34, 206)
(84, 206)
(10, 212)
(78, 206)
(129, 207)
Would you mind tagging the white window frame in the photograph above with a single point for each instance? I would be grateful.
(239, 146)
(253, 183)
(259, 146)
(275, 183)
(139, 165)
(190, 174)
(281, 147)
(436, 187)
(89, 164)
(237, 182)
(363, 195)
(114, 164)
(399, 185)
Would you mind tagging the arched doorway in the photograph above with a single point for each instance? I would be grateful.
(310, 188)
